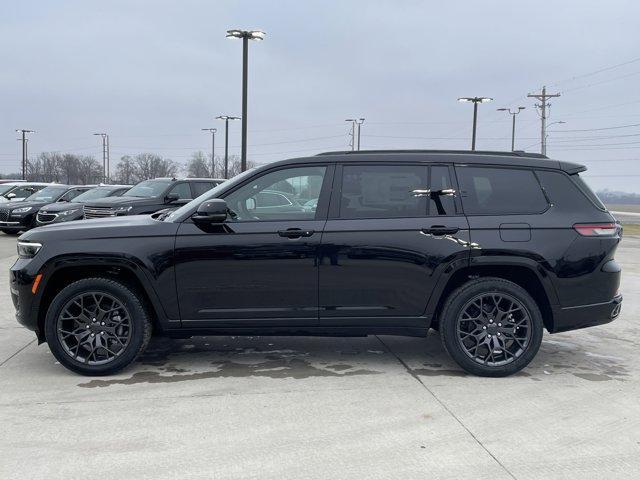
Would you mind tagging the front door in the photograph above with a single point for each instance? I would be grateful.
(391, 232)
(260, 267)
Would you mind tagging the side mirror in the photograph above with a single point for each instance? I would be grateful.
(211, 211)
(171, 197)
(11, 195)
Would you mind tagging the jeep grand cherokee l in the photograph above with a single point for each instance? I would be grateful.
(150, 196)
(489, 248)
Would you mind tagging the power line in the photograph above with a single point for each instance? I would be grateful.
(597, 129)
(595, 72)
(601, 82)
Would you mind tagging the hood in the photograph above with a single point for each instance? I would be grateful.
(60, 207)
(114, 201)
(13, 205)
(130, 226)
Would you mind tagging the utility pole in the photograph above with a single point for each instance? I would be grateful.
(24, 150)
(226, 119)
(542, 97)
(105, 156)
(513, 124)
(213, 148)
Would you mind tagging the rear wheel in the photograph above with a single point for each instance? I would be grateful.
(10, 232)
(491, 327)
(97, 326)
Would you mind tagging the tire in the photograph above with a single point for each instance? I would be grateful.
(491, 327)
(10, 232)
(99, 340)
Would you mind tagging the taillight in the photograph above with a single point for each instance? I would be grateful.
(596, 229)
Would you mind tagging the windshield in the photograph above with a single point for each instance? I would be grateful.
(4, 188)
(213, 193)
(47, 194)
(148, 189)
(93, 194)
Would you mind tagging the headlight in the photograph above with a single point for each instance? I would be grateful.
(123, 209)
(68, 212)
(21, 210)
(28, 249)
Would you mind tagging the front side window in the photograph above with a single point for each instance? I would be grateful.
(498, 191)
(280, 195)
(182, 190)
(383, 191)
(201, 187)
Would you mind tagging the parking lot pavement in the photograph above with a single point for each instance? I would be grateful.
(324, 408)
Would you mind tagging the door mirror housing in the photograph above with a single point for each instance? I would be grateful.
(211, 211)
(171, 197)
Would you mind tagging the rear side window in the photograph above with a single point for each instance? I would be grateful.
(383, 191)
(499, 191)
(565, 193)
(582, 185)
(201, 187)
(183, 191)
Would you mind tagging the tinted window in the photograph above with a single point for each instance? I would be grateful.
(383, 191)
(201, 187)
(24, 192)
(182, 190)
(587, 191)
(71, 194)
(149, 188)
(47, 194)
(562, 192)
(495, 191)
(441, 202)
(279, 195)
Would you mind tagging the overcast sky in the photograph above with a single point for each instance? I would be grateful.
(153, 73)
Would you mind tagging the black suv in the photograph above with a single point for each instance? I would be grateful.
(488, 248)
(20, 216)
(67, 211)
(150, 196)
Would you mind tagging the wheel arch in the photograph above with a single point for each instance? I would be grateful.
(66, 271)
(526, 273)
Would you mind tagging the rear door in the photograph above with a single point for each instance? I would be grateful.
(392, 230)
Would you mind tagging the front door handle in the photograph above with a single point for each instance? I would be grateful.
(439, 230)
(295, 233)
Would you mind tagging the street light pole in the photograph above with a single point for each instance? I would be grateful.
(226, 119)
(24, 150)
(245, 35)
(355, 132)
(475, 101)
(105, 156)
(513, 124)
(213, 148)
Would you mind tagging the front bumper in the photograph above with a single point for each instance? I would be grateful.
(583, 316)
(21, 278)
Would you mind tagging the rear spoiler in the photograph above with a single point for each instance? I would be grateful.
(572, 168)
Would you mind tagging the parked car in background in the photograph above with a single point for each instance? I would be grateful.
(21, 216)
(18, 191)
(66, 211)
(149, 196)
(10, 180)
(488, 248)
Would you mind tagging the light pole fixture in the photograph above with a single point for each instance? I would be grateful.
(513, 123)
(546, 135)
(356, 123)
(226, 119)
(24, 140)
(245, 35)
(105, 155)
(213, 148)
(475, 101)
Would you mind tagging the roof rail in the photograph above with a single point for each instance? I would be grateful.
(515, 153)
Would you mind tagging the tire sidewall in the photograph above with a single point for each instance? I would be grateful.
(459, 298)
(131, 303)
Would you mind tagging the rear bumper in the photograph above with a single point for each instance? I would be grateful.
(583, 316)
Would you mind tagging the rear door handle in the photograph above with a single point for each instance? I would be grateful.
(295, 233)
(439, 230)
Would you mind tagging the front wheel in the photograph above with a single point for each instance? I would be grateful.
(97, 326)
(10, 232)
(491, 327)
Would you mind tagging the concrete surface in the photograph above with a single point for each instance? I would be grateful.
(325, 408)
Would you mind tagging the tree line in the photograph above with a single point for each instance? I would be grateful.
(75, 169)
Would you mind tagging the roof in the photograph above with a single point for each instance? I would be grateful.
(464, 157)
(175, 179)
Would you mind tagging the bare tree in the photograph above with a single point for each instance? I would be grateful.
(199, 165)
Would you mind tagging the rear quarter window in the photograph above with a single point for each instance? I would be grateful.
(500, 191)
(568, 192)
